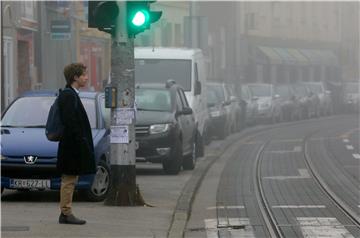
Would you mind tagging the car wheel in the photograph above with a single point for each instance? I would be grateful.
(199, 145)
(172, 165)
(190, 160)
(101, 184)
(207, 135)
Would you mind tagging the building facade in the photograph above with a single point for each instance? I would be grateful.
(19, 33)
(169, 30)
(40, 38)
(291, 41)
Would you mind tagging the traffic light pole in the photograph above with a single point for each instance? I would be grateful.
(123, 189)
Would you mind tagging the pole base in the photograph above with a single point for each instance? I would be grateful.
(123, 190)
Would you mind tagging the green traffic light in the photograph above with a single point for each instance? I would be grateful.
(140, 18)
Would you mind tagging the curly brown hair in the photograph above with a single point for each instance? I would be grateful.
(72, 70)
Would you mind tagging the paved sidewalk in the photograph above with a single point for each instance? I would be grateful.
(23, 215)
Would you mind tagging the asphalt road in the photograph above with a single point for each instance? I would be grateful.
(227, 203)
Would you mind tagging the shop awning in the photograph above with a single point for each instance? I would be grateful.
(300, 58)
(285, 55)
(320, 57)
(292, 56)
(271, 54)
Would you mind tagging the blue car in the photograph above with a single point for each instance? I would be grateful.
(28, 159)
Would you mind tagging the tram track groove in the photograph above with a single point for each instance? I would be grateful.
(264, 207)
(342, 206)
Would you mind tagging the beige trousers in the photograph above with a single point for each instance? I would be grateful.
(66, 192)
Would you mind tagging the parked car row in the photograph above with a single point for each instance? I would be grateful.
(225, 108)
(166, 127)
(286, 102)
(351, 96)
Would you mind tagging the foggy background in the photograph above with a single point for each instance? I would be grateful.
(242, 41)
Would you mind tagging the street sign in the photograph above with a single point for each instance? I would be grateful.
(60, 30)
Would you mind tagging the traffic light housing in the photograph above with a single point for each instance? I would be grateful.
(140, 17)
(103, 15)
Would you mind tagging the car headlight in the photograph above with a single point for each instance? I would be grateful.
(159, 128)
(3, 158)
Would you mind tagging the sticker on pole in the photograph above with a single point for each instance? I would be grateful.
(124, 116)
(119, 135)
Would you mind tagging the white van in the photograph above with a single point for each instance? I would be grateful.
(186, 66)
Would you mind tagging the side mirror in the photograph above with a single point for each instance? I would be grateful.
(197, 90)
(187, 111)
(254, 98)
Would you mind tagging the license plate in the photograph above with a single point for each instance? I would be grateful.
(30, 183)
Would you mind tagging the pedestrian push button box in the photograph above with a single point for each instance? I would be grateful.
(110, 97)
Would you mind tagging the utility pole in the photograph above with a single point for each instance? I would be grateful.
(123, 20)
(123, 172)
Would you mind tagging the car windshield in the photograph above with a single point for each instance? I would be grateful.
(33, 112)
(260, 90)
(218, 90)
(161, 70)
(315, 88)
(283, 91)
(212, 97)
(153, 100)
(352, 88)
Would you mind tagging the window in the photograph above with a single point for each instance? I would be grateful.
(177, 34)
(250, 21)
(33, 111)
(27, 10)
(160, 70)
(149, 99)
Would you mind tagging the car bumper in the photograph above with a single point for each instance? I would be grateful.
(155, 148)
(84, 182)
(38, 171)
(264, 113)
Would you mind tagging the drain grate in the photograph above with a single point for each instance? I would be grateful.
(197, 229)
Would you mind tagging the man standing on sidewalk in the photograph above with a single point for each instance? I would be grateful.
(76, 149)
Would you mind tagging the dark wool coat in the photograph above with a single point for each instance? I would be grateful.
(76, 149)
